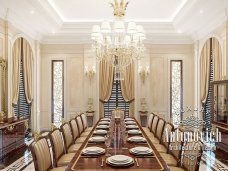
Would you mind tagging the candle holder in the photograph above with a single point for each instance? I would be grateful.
(2, 117)
(143, 72)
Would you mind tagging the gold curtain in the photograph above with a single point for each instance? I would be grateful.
(204, 71)
(128, 87)
(16, 55)
(105, 84)
(217, 59)
(27, 69)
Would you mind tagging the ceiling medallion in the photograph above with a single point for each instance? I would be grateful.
(117, 45)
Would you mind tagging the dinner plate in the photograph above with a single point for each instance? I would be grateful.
(105, 119)
(141, 151)
(136, 139)
(130, 123)
(97, 139)
(129, 119)
(100, 132)
(102, 127)
(131, 126)
(93, 151)
(134, 132)
(104, 123)
(120, 160)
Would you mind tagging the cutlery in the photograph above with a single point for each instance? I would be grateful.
(102, 162)
(137, 164)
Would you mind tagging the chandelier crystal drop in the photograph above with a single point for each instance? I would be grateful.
(119, 45)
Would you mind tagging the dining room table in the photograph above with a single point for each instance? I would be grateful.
(153, 162)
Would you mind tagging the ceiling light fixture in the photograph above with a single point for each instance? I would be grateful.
(117, 45)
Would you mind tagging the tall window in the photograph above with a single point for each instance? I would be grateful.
(176, 90)
(57, 91)
(208, 104)
(116, 100)
(22, 109)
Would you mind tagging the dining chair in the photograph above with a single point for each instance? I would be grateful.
(60, 157)
(165, 140)
(42, 156)
(154, 125)
(147, 129)
(191, 158)
(175, 149)
(80, 127)
(157, 138)
(75, 132)
(70, 146)
(85, 123)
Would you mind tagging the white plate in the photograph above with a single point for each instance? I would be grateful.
(137, 139)
(100, 132)
(141, 150)
(130, 123)
(93, 151)
(120, 160)
(131, 126)
(97, 139)
(104, 123)
(103, 126)
(129, 119)
(134, 132)
(105, 119)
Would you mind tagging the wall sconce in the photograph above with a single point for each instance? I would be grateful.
(90, 72)
(144, 72)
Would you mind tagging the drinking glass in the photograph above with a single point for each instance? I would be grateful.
(108, 140)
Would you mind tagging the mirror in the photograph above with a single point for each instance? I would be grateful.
(3, 101)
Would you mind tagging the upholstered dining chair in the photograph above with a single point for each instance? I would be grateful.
(190, 158)
(69, 144)
(85, 123)
(157, 137)
(60, 157)
(42, 156)
(147, 129)
(75, 132)
(164, 146)
(175, 150)
(154, 124)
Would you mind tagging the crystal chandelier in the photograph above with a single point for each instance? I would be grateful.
(117, 45)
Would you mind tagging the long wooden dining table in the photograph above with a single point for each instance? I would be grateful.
(145, 163)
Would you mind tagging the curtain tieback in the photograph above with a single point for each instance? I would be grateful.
(131, 100)
(102, 101)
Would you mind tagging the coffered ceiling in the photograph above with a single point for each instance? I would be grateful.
(70, 21)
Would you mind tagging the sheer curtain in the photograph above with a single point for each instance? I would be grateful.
(16, 55)
(27, 68)
(105, 84)
(128, 87)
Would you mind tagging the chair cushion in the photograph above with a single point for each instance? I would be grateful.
(89, 129)
(176, 168)
(154, 140)
(84, 134)
(58, 169)
(80, 140)
(146, 129)
(169, 159)
(73, 148)
(65, 159)
(161, 148)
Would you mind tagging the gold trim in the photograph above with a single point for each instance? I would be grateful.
(3, 89)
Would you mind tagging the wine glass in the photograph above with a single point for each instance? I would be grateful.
(108, 143)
